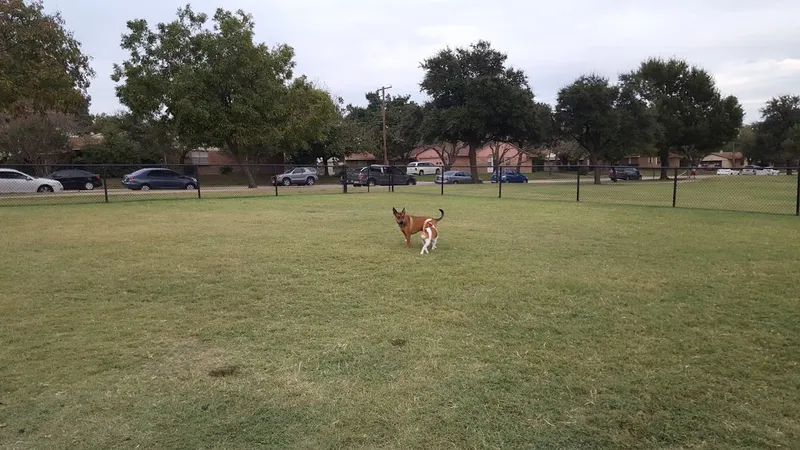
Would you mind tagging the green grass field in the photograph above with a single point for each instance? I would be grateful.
(304, 322)
(773, 195)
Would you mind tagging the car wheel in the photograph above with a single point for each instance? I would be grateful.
(286, 182)
(421, 173)
(371, 182)
(438, 171)
(409, 182)
(144, 187)
(310, 181)
(45, 188)
(190, 186)
(88, 186)
(455, 181)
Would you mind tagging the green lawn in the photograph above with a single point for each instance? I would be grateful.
(773, 195)
(303, 322)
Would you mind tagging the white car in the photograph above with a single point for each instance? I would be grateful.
(422, 168)
(14, 181)
(768, 171)
(727, 172)
(751, 170)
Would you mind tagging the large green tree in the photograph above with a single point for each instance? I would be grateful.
(537, 133)
(216, 87)
(126, 140)
(43, 67)
(776, 134)
(475, 98)
(694, 118)
(403, 121)
(36, 138)
(339, 137)
(607, 120)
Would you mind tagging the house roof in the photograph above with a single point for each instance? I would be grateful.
(729, 155)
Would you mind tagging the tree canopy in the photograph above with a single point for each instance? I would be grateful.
(44, 68)
(693, 117)
(606, 120)
(218, 88)
(777, 134)
(475, 98)
(403, 121)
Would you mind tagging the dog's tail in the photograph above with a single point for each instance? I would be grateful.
(440, 217)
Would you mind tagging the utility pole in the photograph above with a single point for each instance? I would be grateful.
(383, 118)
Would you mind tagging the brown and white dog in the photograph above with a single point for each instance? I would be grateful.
(425, 225)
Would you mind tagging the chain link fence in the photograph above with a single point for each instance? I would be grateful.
(767, 190)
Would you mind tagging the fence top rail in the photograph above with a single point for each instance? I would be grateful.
(8, 165)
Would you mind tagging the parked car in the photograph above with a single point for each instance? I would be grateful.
(423, 168)
(453, 177)
(299, 175)
(750, 170)
(624, 173)
(157, 178)
(768, 171)
(378, 174)
(77, 179)
(14, 181)
(510, 176)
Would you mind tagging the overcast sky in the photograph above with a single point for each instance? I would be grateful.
(353, 46)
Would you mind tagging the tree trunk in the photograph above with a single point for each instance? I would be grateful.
(593, 162)
(325, 164)
(234, 149)
(473, 163)
(519, 162)
(663, 156)
(788, 167)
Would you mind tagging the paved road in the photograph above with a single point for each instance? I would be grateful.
(266, 189)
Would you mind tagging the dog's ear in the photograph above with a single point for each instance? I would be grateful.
(403, 211)
(394, 211)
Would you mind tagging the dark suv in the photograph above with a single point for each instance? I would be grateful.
(379, 174)
(624, 173)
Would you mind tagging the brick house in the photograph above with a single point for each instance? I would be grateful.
(724, 160)
(509, 155)
(209, 161)
(650, 162)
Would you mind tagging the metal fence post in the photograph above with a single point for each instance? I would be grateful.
(391, 178)
(797, 201)
(275, 178)
(197, 177)
(578, 189)
(498, 170)
(441, 174)
(674, 187)
(105, 183)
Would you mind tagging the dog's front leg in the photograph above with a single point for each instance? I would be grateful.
(408, 240)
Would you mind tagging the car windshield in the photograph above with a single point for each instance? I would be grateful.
(450, 172)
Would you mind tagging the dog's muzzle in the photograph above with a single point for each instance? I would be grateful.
(401, 223)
